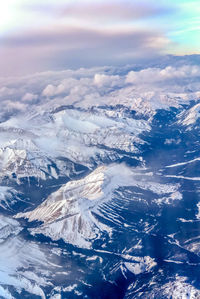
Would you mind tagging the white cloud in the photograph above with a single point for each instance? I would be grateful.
(49, 91)
(14, 105)
(29, 97)
(101, 80)
(144, 90)
(151, 75)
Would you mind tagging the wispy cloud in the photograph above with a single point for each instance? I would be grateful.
(61, 34)
(108, 10)
(64, 47)
(114, 10)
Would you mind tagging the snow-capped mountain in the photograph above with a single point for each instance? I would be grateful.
(99, 194)
(82, 137)
(71, 213)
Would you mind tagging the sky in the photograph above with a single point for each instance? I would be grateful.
(46, 35)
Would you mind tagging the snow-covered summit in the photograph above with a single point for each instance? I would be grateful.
(190, 117)
(69, 213)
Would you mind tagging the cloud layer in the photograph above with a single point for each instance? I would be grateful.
(142, 90)
(81, 34)
(75, 47)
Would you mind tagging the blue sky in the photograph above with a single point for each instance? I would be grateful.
(58, 34)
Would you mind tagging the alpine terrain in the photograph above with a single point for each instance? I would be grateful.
(100, 181)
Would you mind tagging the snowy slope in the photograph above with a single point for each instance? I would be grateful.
(189, 117)
(79, 136)
(69, 213)
(17, 256)
(100, 168)
(178, 288)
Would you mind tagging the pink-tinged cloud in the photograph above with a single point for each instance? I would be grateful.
(63, 47)
(114, 10)
(104, 9)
